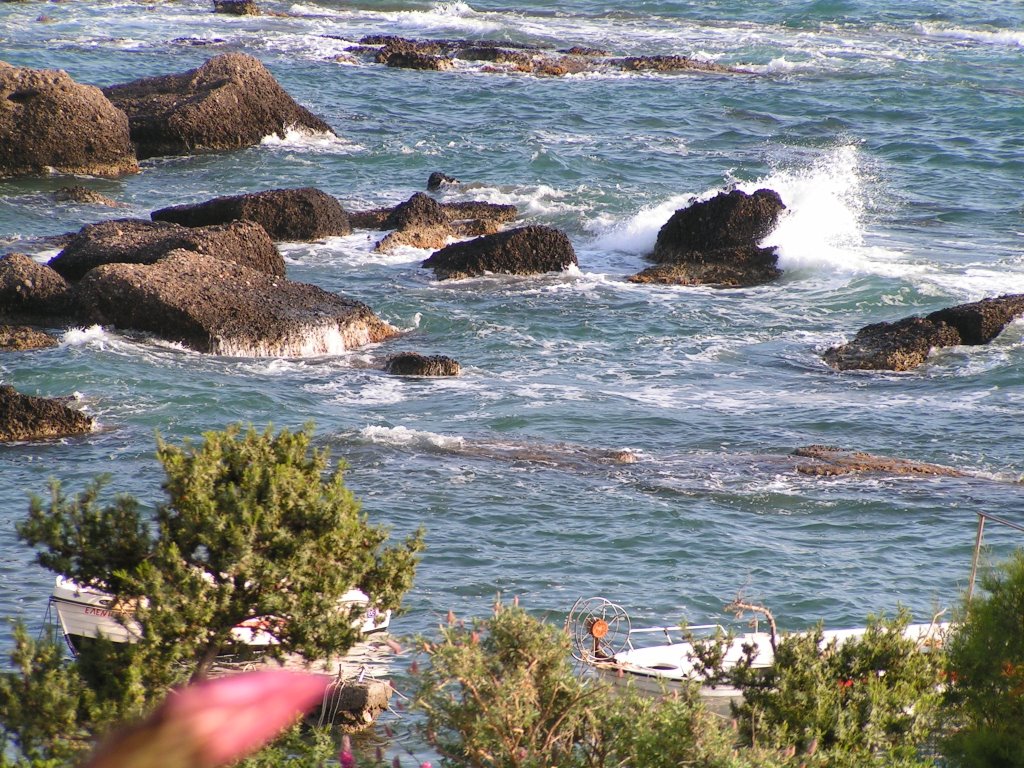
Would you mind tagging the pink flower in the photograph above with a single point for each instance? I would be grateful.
(214, 722)
(345, 757)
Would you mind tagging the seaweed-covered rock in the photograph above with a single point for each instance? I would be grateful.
(84, 195)
(225, 308)
(48, 121)
(138, 241)
(24, 417)
(286, 214)
(31, 289)
(415, 364)
(906, 343)
(231, 101)
(21, 338)
(523, 251)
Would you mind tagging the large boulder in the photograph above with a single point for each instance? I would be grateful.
(48, 121)
(906, 343)
(727, 220)
(138, 241)
(24, 417)
(231, 101)
(31, 289)
(286, 214)
(524, 251)
(224, 308)
(715, 242)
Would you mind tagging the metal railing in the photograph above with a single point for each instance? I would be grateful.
(982, 518)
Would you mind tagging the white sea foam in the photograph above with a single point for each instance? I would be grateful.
(403, 436)
(448, 18)
(81, 337)
(638, 233)
(300, 139)
(1001, 37)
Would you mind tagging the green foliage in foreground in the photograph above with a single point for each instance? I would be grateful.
(502, 693)
(986, 660)
(254, 525)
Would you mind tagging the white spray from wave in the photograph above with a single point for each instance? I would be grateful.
(403, 436)
(310, 141)
(1012, 37)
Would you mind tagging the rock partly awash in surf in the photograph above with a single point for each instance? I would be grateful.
(715, 242)
(29, 289)
(286, 214)
(422, 222)
(415, 364)
(138, 241)
(50, 122)
(24, 417)
(906, 343)
(21, 338)
(524, 251)
(224, 308)
(231, 101)
(826, 460)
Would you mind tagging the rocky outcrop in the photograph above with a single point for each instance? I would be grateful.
(224, 308)
(422, 222)
(48, 121)
(21, 338)
(236, 7)
(906, 343)
(85, 196)
(828, 460)
(30, 289)
(232, 101)
(137, 241)
(715, 242)
(504, 56)
(415, 364)
(523, 251)
(286, 214)
(23, 417)
(436, 180)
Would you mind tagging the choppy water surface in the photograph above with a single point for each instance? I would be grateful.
(893, 133)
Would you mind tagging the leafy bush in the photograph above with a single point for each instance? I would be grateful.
(986, 669)
(254, 525)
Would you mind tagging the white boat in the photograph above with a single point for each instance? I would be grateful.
(658, 659)
(88, 612)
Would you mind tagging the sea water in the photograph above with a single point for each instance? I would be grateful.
(894, 133)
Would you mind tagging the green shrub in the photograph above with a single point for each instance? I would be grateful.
(986, 670)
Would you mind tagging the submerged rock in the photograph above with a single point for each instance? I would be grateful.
(236, 7)
(24, 417)
(523, 251)
(286, 214)
(715, 242)
(138, 241)
(225, 308)
(50, 122)
(415, 364)
(84, 195)
(231, 101)
(21, 338)
(829, 460)
(31, 289)
(906, 343)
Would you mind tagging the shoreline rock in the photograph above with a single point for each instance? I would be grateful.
(715, 242)
(49, 121)
(829, 460)
(29, 418)
(138, 241)
(220, 307)
(231, 101)
(527, 250)
(29, 289)
(907, 343)
(301, 214)
(22, 338)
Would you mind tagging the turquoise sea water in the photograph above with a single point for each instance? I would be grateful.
(894, 133)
